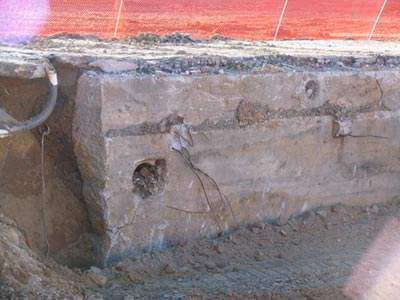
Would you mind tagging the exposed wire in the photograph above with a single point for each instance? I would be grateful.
(193, 169)
(45, 131)
(185, 154)
(368, 135)
(188, 211)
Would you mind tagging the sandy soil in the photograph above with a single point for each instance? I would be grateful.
(334, 252)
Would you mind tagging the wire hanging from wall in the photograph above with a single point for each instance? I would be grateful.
(44, 132)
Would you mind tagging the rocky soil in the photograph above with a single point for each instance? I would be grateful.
(150, 54)
(328, 253)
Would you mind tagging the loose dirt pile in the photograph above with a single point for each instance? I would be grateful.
(311, 256)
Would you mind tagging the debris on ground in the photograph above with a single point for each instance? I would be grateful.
(146, 180)
(293, 258)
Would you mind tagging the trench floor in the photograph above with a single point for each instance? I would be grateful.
(336, 252)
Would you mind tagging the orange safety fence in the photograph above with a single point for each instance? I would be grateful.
(241, 19)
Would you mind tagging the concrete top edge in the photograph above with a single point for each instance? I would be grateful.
(21, 66)
(198, 57)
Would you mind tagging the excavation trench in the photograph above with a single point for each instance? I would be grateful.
(144, 153)
(68, 228)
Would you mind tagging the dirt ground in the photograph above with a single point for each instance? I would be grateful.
(334, 252)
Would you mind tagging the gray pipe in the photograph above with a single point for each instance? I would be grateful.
(42, 117)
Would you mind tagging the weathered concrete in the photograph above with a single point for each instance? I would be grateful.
(18, 66)
(258, 120)
(265, 139)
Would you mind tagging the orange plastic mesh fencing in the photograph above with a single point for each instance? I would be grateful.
(241, 19)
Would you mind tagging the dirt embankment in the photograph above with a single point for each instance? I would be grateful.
(21, 189)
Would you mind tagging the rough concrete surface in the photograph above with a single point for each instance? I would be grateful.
(279, 163)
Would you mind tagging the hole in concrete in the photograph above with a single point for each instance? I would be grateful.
(148, 177)
(311, 89)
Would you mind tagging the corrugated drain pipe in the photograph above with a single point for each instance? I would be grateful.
(8, 126)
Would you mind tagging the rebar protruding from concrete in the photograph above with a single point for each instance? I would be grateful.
(8, 126)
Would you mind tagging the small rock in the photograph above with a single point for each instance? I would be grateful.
(260, 225)
(168, 269)
(294, 225)
(389, 62)
(134, 278)
(197, 266)
(258, 256)
(374, 209)
(34, 281)
(9, 233)
(144, 172)
(210, 265)
(95, 270)
(182, 243)
(193, 71)
(121, 268)
(340, 64)
(335, 208)
(91, 73)
(281, 221)
(160, 73)
(380, 61)
(97, 279)
(129, 297)
(221, 264)
(255, 230)
(283, 232)
(309, 93)
(218, 247)
(322, 213)
(370, 60)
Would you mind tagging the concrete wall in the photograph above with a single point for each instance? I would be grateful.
(266, 139)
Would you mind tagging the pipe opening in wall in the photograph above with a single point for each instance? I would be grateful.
(311, 89)
(148, 177)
